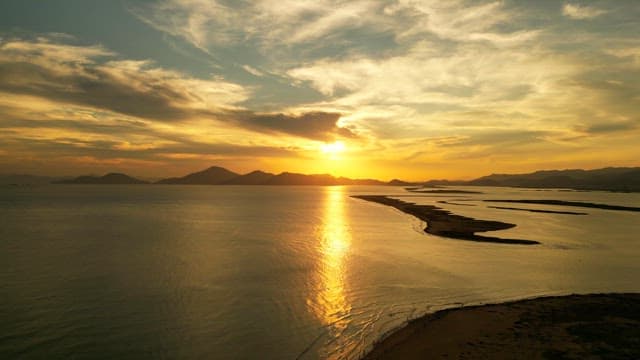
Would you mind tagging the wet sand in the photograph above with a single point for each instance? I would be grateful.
(569, 203)
(453, 203)
(599, 326)
(444, 191)
(443, 223)
(538, 210)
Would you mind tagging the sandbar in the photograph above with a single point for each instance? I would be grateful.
(597, 326)
(570, 203)
(453, 203)
(538, 210)
(443, 223)
(445, 191)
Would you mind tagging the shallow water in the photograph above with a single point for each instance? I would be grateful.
(274, 272)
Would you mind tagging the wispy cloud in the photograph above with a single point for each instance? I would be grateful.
(282, 28)
(581, 12)
(93, 77)
(253, 71)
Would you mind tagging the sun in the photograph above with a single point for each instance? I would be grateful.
(333, 148)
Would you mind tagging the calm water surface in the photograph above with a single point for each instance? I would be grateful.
(229, 272)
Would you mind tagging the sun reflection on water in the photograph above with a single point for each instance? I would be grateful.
(330, 304)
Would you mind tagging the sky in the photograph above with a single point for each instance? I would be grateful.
(411, 89)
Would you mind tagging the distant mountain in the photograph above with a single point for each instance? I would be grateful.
(109, 179)
(214, 175)
(443, 182)
(23, 179)
(220, 176)
(347, 181)
(396, 182)
(253, 178)
(287, 178)
(610, 179)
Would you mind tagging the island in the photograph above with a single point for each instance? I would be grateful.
(108, 179)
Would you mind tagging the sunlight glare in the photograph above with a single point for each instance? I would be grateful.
(333, 148)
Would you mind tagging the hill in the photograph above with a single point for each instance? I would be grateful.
(216, 175)
(253, 178)
(108, 179)
(609, 179)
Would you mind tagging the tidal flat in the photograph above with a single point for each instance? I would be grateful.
(604, 326)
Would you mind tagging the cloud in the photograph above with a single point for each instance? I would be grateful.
(92, 77)
(208, 23)
(315, 125)
(117, 142)
(253, 71)
(75, 74)
(610, 127)
(581, 12)
(439, 80)
(472, 74)
(282, 29)
(73, 155)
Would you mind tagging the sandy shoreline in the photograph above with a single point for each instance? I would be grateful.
(597, 326)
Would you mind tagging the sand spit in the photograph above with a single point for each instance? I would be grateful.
(570, 203)
(538, 210)
(443, 223)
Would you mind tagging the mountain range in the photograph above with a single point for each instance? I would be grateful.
(610, 179)
(216, 175)
(111, 178)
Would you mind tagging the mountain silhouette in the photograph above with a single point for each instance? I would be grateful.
(256, 177)
(610, 179)
(214, 175)
(111, 178)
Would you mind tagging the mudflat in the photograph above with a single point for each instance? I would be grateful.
(597, 326)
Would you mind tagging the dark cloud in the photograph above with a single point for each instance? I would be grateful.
(605, 128)
(120, 133)
(110, 149)
(136, 89)
(96, 88)
(313, 125)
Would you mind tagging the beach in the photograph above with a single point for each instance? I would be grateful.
(597, 326)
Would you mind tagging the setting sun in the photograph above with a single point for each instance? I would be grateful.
(333, 148)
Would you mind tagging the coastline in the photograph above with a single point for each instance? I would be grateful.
(558, 327)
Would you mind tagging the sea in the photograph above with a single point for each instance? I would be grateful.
(277, 272)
